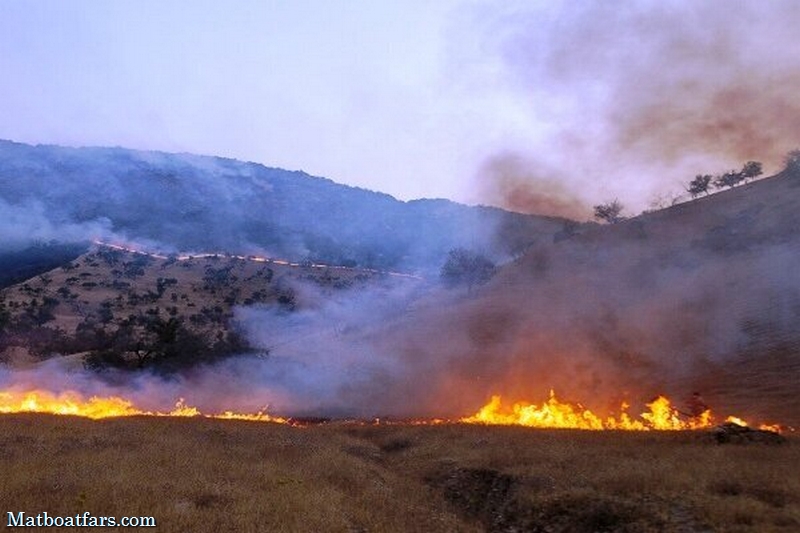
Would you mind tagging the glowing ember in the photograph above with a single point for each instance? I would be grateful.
(72, 403)
(553, 413)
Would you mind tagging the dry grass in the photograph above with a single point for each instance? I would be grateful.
(101, 276)
(209, 475)
(103, 288)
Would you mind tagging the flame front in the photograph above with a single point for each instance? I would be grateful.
(96, 407)
(255, 258)
(553, 413)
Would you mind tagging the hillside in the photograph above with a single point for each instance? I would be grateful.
(189, 202)
(703, 297)
(116, 305)
(20, 264)
(700, 297)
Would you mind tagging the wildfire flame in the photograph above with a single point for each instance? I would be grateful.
(254, 258)
(96, 407)
(553, 413)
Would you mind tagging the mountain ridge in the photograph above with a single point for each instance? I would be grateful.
(195, 202)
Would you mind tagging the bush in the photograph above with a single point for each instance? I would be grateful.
(465, 267)
(700, 184)
(793, 162)
(610, 212)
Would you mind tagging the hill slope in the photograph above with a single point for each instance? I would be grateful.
(125, 309)
(188, 202)
(704, 296)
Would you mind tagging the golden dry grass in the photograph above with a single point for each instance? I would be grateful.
(210, 475)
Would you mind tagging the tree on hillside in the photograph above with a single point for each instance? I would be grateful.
(164, 345)
(793, 162)
(610, 212)
(700, 184)
(751, 170)
(5, 317)
(465, 267)
(729, 179)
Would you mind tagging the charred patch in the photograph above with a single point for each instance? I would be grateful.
(505, 503)
(589, 512)
(396, 445)
(363, 452)
(730, 433)
(485, 495)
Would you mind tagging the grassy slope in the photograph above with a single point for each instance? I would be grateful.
(207, 475)
(632, 307)
(203, 302)
(720, 240)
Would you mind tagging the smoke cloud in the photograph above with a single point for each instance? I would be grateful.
(641, 97)
(621, 314)
(28, 222)
(525, 186)
(184, 202)
(705, 299)
(657, 89)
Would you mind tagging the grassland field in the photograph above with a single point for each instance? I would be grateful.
(214, 476)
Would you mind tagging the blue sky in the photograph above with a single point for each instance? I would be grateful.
(413, 98)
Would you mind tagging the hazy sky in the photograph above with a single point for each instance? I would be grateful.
(536, 105)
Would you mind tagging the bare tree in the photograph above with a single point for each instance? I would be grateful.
(700, 184)
(610, 212)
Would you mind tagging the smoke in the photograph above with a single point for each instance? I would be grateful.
(29, 222)
(185, 202)
(621, 314)
(599, 325)
(636, 99)
(633, 99)
(328, 357)
(525, 186)
(325, 359)
(652, 306)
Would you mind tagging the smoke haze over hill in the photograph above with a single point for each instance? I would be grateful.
(183, 202)
(640, 98)
(575, 103)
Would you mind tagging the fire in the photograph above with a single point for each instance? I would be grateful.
(254, 258)
(96, 407)
(736, 420)
(775, 428)
(553, 413)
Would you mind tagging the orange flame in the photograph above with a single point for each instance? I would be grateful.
(95, 407)
(775, 428)
(553, 413)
